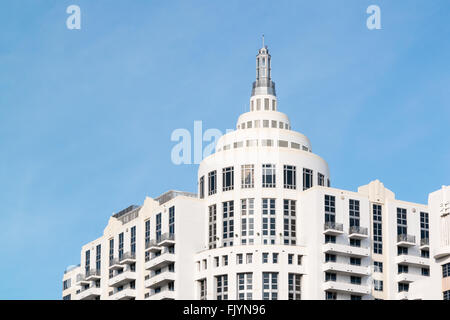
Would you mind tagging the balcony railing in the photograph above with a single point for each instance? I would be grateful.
(333, 226)
(150, 243)
(166, 236)
(424, 242)
(113, 262)
(406, 238)
(358, 230)
(93, 272)
(128, 255)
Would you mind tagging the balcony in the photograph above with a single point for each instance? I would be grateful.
(160, 279)
(164, 294)
(406, 277)
(90, 293)
(357, 232)
(412, 260)
(122, 278)
(167, 239)
(81, 280)
(345, 250)
(346, 269)
(93, 275)
(424, 244)
(152, 246)
(345, 287)
(128, 258)
(125, 294)
(158, 262)
(114, 264)
(406, 240)
(333, 228)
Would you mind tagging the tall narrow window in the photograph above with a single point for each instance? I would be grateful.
(228, 178)
(289, 233)
(120, 246)
(202, 285)
(158, 227)
(222, 287)
(133, 240)
(354, 212)
(247, 176)
(401, 221)
(294, 286)
(212, 182)
(247, 221)
(202, 187)
(270, 286)
(290, 177)
(212, 232)
(87, 260)
(307, 178)
(424, 228)
(98, 257)
(172, 220)
(330, 210)
(377, 229)
(228, 223)
(244, 286)
(268, 178)
(320, 179)
(111, 250)
(268, 221)
(147, 232)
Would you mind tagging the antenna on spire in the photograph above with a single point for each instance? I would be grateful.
(263, 40)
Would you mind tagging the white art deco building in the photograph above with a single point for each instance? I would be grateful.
(266, 224)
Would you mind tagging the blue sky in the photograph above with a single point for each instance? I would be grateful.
(86, 115)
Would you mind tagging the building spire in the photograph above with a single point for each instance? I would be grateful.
(263, 40)
(263, 84)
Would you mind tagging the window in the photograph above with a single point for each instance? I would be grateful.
(87, 260)
(378, 266)
(355, 261)
(68, 297)
(378, 285)
(239, 258)
(98, 257)
(228, 223)
(147, 232)
(222, 287)
(247, 221)
(424, 253)
(290, 258)
(424, 228)
(266, 103)
(330, 295)
(294, 288)
(265, 257)
(247, 176)
(402, 250)
(212, 226)
(133, 239)
(216, 261)
(249, 257)
(268, 221)
(289, 177)
(268, 178)
(446, 295)
(202, 187)
(66, 284)
(202, 285)
(330, 209)
(377, 229)
(426, 272)
(299, 259)
(320, 179)
(212, 182)
(329, 276)
(355, 280)
(354, 213)
(402, 268)
(111, 250)
(330, 257)
(228, 178)
(330, 239)
(225, 260)
(172, 220)
(258, 102)
(158, 227)
(307, 178)
(274, 257)
(446, 270)
(355, 297)
(270, 286)
(244, 286)
(403, 287)
(401, 221)
(355, 242)
(289, 232)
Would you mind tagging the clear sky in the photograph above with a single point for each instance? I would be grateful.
(86, 115)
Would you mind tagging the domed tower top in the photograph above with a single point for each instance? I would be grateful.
(263, 84)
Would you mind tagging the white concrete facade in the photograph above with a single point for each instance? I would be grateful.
(266, 224)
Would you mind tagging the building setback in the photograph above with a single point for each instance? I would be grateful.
(266, 224)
